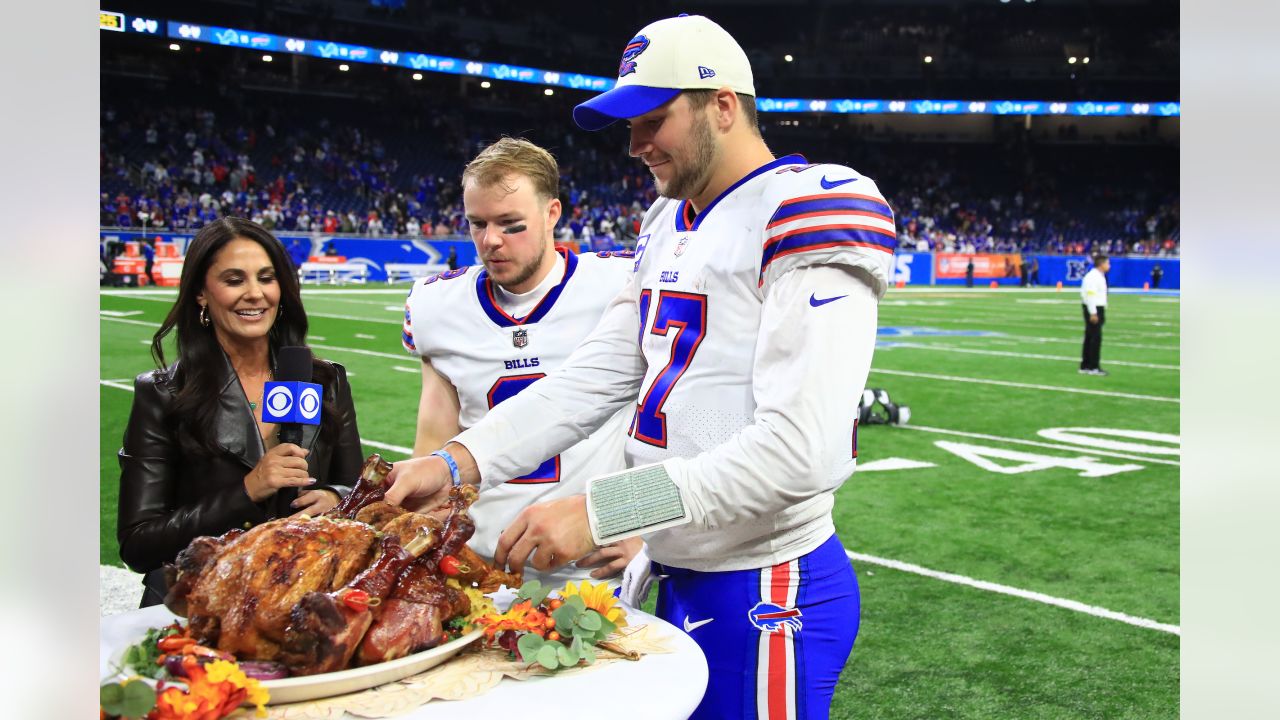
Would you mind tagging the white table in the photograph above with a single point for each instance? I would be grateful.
(668, 685)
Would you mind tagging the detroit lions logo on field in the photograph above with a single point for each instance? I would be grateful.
(772, 618)
(630, 53)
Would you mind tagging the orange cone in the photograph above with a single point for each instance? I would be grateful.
(901, 284)
(1146, 287)
(1059, 286)
(995, 284)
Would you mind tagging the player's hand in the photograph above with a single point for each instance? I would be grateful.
(315, 502)
(1093, 319)
(546, 536)
(612, 558)
(419, 483)
(284, 465)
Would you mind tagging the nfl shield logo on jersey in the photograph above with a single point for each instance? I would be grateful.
(520, 337)
(680, 246)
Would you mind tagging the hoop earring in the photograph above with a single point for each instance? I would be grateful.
(204, 315)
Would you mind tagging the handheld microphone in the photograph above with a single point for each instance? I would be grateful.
(292, 401)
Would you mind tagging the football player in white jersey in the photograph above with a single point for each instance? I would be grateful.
(486, 333)
(742, 345)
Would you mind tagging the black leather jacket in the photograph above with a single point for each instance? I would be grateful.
(168, 498)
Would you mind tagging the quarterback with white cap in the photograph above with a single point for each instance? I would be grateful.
(742, 344)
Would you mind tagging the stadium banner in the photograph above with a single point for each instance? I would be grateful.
(986, 266)
(372, 252)
(1125, 272)
(913, 268)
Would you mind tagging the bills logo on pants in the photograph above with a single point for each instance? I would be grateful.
(775, 638)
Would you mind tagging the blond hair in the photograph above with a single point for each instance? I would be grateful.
(515, 155)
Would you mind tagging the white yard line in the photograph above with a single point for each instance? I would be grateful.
(1037, 443)
(358, 351)
(1028, 356)
(1000, 323)
(1073, 341)
(386, 446)
(116, 384)
(1028, 386)
(402, 368)
(1073, 605)
(334, 316)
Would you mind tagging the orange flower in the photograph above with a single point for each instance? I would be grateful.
(520, 617)
(213, 691)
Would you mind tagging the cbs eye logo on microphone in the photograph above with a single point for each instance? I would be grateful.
(291, 402)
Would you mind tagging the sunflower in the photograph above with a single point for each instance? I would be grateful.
(599, 598)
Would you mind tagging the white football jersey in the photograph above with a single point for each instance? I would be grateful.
(702, 282)
(453, 320)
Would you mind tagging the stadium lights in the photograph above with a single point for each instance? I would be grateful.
(788, 58)
(266, 58)
(928, 59)
(1071, 60)
(548, 91)
(486, 84)
(175, 47)
(417, 76)
(344, 67)
(1085, 60)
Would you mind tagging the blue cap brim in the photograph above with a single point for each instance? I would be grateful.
(623, 101)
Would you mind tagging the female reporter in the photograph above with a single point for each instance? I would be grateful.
(197, 457)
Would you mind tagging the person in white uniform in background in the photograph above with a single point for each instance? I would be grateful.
(1093, 294)
(488, 332)
(741, 347)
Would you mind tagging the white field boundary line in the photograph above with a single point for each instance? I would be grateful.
(1002, 323)
(1027, 356)
(372, 443)
(1037, 443)
(1068, 341)
(1073, 605)
(1028, 386)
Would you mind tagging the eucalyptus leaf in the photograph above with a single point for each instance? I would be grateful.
(529, 644)
(110, 697)
(139, 699)
(566, 656)
(589, 620)
(588, 653)
(547, 656)
(565, 616)
(576, 601)
(534, 592)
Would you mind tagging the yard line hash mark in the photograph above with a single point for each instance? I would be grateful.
(1028, 386)
(1073, 605)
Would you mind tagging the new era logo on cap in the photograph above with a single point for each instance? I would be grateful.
(689, 52)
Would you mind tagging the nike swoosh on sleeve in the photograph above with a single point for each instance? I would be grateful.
(828, 184)
(815, 302)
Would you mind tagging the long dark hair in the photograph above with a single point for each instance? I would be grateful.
(197, 375)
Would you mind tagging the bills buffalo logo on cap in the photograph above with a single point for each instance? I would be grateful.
(772, 618)
(630, 53)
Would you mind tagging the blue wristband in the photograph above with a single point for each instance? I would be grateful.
(453, 466)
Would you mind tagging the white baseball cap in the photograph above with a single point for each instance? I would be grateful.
(689, 52)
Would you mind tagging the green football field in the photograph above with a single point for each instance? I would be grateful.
(1016, 543)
